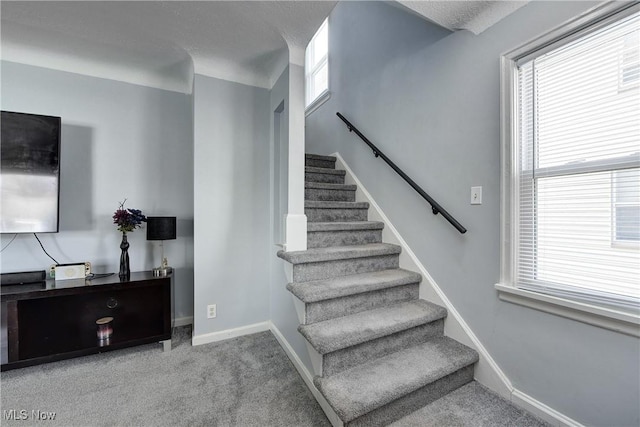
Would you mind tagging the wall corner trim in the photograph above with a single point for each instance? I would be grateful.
(487, 371)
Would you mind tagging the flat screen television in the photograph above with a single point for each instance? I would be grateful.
(29, 173)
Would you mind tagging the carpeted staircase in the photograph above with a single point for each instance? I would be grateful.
(383, 351)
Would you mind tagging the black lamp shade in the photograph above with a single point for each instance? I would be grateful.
(161, 227)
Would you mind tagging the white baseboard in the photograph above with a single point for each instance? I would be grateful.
(183, 321)
(306, 376)
(542, 411)
(230, 333)
(487, 372)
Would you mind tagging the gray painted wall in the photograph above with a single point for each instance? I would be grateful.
(118, 141)
(431, 102)
(231, 207)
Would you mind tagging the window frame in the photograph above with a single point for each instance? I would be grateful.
(602, 316)
(615, 204)
(312, 69)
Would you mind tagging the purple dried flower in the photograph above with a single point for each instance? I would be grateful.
(128, 219)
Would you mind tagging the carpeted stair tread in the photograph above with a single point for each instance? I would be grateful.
(342, 332)
(337, 287)
(320, 157)
(313, 169)
(314, 204)
(345, 226)
(339, 253)
(470, 405)
(362, 389)
(329, 186)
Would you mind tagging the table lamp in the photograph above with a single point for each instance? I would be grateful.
(161, 228)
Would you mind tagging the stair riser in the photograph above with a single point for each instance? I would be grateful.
(332, 215)
(413, 401)
(341, 360)
(324, 177)
(325, 239)
(343, 267)
(325, 195)
(338, 307)
(317, 163)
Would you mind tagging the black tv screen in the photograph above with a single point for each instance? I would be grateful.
(30, 173)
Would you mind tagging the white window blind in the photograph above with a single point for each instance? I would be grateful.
(317, 65)
(578, 172)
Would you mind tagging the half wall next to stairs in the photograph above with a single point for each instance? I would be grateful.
(231, 181)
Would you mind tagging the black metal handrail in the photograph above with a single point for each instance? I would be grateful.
(435, 207)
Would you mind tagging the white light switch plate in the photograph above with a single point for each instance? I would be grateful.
(476, 195)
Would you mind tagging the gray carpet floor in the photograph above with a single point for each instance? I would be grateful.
(246, 381)
(471, 405)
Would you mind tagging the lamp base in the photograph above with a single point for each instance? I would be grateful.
(162, 271)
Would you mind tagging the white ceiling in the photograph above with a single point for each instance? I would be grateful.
(474, 16)
(243, 41)
(161, 43)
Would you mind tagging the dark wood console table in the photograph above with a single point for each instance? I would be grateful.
(57, 320)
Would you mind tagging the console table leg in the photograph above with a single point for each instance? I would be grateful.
(166, 345)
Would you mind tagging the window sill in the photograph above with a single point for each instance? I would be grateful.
(321, 99)
(614, 320)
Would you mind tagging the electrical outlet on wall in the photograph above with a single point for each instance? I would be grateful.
(211, 311)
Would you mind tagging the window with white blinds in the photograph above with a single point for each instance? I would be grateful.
(576, 183)
(317, 65)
